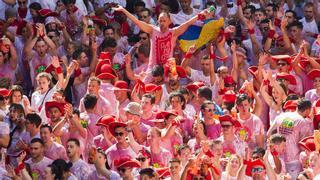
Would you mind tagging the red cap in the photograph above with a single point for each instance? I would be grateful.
(252, 70)
(148, 88)
(165, 114)
(105, 120)
(316, 121)
(251, 164)
(47, 13)
(121, 85)
(290, 105)
(126, 162)
(229, 80)
(229, 97)
(163, 172)
(314, 74)
(288, 77)
(229, 118)
(4, 92)
(112, 125)
(317, 104)
(308, 143)
(51, 104)
(195, 86)
(181, 72)
(106, 72)
(98, 21)
(286, 58)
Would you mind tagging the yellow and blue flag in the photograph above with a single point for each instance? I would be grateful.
(200, 35)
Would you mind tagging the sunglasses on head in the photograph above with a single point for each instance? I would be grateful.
(257, 170)
(282, 64)
(142, 159)
(118, 134)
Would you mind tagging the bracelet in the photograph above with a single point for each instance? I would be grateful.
(274, 153)
(277, 22)
(19, 168)
(245, 162)
(77, 72)
(251, 31)
(59, 70)
(265, 82)
(271, 33)
(201, 17)
(212, 56)
(188, 56)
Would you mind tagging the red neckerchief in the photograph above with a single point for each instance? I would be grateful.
(75, 9)
(22, 12)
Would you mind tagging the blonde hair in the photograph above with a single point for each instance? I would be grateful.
(47, 76)
(228, 167)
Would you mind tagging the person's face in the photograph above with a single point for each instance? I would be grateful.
(22, 3)
(45, 135)
(144, 38)
(70, 48)
(282, 66)
(223, 72)
(4, 101)
(29, 126)
(313, 161)
(52, 26)
(72, 149)
(264, 27)
(164, 21)
(41, 48)
(109, 33)
(186, 153)
(43, 83)
(144, 16)
(235, 164)
(316, 83)
(92, 155)
(280, 147)
(16, 97)
(36, 150)
(13, 114)
(198, 129)
(308, 13)
(170, 119)
(247, 13)
(176, 103)
(258, 172)
(295, 32)
(144, 160)
(120, 134)
(48, 174)
(164, 8)
(158, 80)
(290, 17)
(173, 79)
(53, 36)
(269, 12)
(208, 111)
(146, 104)
(217, 150)
(125, 172)
(93, 87)
(55, 114)
(120, 94)
(174, 168)
(258, 16)
(244, 107)
(70, 7)
(101, 159)
(131, 116)
(227, 127)
(185, 4)
(83, 60)
(205, 65)
(33, 13)
(152, 137)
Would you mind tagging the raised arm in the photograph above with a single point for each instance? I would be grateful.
(129, 72)
(50, 43)
(142, 25)
(184, 26)
(186, 59)
(235, 68)
(56, 64)
(94, 50)
(212, 73)
(287, 43)
(12, 51)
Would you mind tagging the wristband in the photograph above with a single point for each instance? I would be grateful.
(59, 70)
(212, 56)
(19, 168)
(265, 82)
(222, 91)
(175, 123)
(251, 31)
(201, 17)
(49, 69)
(274, 153)
(77, 72)
(188, 56)
(239, 2)
(245, 162)
(271, 33)
(277, 22)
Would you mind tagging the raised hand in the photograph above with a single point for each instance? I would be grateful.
(233, 46)
(127, 59)
(284, 23)
(118, 8)
(55, 61)
(263, 58)
(21, 157)
(192, 49)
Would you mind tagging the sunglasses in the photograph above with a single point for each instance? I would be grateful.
(122, 170)
(143, 17)
(229, 85)
(257, 170)
(142, 159)
(22, 2)
(143, 38)
(210, 110)
(226, 126)
(118, 134)
(4, 98)
(282, 64)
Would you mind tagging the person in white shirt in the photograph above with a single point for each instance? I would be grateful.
(186, 12)
(310, 27)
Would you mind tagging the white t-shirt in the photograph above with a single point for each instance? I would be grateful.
(196, 75)
(181, 17)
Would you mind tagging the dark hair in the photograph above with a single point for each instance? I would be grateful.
(157, 71)
(251, 8)
(76, 54)
(37, 140)
(184, 91)
(59, 166)
(76, 141)
(150, 96)
(182, 147)
(140, 3)
(274, 6)
(293, 13)
(46, 126)
(35, 6)
(277, 139)
(265, 21)
(144, 49)
(175, 160)
(241, 98)
(304, 104)
(90, 101)
(76, 111)
(259, 151)
(203, 124)
(108, 43)
(150, 172)
(181, 97)
(66, 2)
(146, 9)
(205, 104)
(261, 10)
(56, 32)
(16, 88)
(292, 97)
(297, 24)
(205, 92)
(17, 107)
(108, 27)
(34, 118)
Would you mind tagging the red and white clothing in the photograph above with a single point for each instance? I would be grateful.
(196, 75)
(103, 107)
(114, 153)
(7, 73)
(312, 95)
(37, 169)
(161, 159)
(173, 143)
(213, 130)
(96, 176)
(72, 25)
(37, 63)
(55, 151)
(100, 141)
(93, 130)
(147, 121)
(80, 169)
(237, 146)
(106, 91)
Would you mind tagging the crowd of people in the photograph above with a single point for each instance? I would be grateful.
(102, 89)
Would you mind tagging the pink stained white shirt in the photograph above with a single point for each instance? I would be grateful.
(147, 121)
(93, 130)
(296, 88)
(213, 130)
(161, 159)
(121, 111)
(96, 176)
(71, 24)
(236, 146)
(7, 73)
(306, 82)
(106, 91)
(37, 62)
(173, 143)
(114, 153)
(55, 151)
(252, 127)
(291, 125)
(80, 169)
(197, 75)
(100, 141)
(37, 169)
(192, 143)
(103, 107)
(312, 95)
